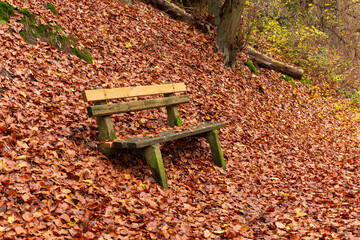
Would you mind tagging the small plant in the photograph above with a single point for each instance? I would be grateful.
(289, 80)
(305, 80)
(251, 66)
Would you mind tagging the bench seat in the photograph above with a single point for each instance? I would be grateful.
(135, 143)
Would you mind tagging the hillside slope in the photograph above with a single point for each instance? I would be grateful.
(292, 153)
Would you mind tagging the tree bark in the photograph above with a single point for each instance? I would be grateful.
(270, 63)
(214, 9)
(230, 21)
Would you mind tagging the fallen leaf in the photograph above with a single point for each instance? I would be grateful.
(280, 225)
(2, 164)
(22, 157)
(207, 233)
(88, 181)
(23, 94)
(299, 212)
(27, 216)
(11, 219)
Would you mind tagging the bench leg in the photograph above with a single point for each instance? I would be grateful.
(213, 139)
(106, 131)
(174, 118)
(154, 159)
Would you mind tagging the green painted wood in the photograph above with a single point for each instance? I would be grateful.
(174, 118)
(153, 157)
(217, 156)
(133, 106)
(167, 136)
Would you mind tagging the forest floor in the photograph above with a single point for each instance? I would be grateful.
(292, 153)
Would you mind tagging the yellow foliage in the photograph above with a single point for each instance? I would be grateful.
(302, 42)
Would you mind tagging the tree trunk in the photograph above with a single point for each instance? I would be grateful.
(230, 21)
(270, 63)
(214, 9)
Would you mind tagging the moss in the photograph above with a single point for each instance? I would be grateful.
(28, 18)
(52, 8)
(73, 40)
(83, 54)
(251, 66)
(178, 121)
(56, 27)
(305, 80)
(6, 11)
(28, 36)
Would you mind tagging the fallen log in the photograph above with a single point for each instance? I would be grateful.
(173, 10)
(269, 63)
(179, 14)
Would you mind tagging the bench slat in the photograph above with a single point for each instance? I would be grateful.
(125, 92)
(124, 107)
(164, 137)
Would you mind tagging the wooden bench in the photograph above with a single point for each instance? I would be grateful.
(149, 146)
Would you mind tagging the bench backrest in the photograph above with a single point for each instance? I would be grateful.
(170, 101)
(126, 92)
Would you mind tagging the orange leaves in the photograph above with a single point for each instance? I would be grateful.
(28, 217)
(292, 163)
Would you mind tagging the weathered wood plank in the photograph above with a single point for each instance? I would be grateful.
(108, 109)
(117, 93)
(166, 136)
